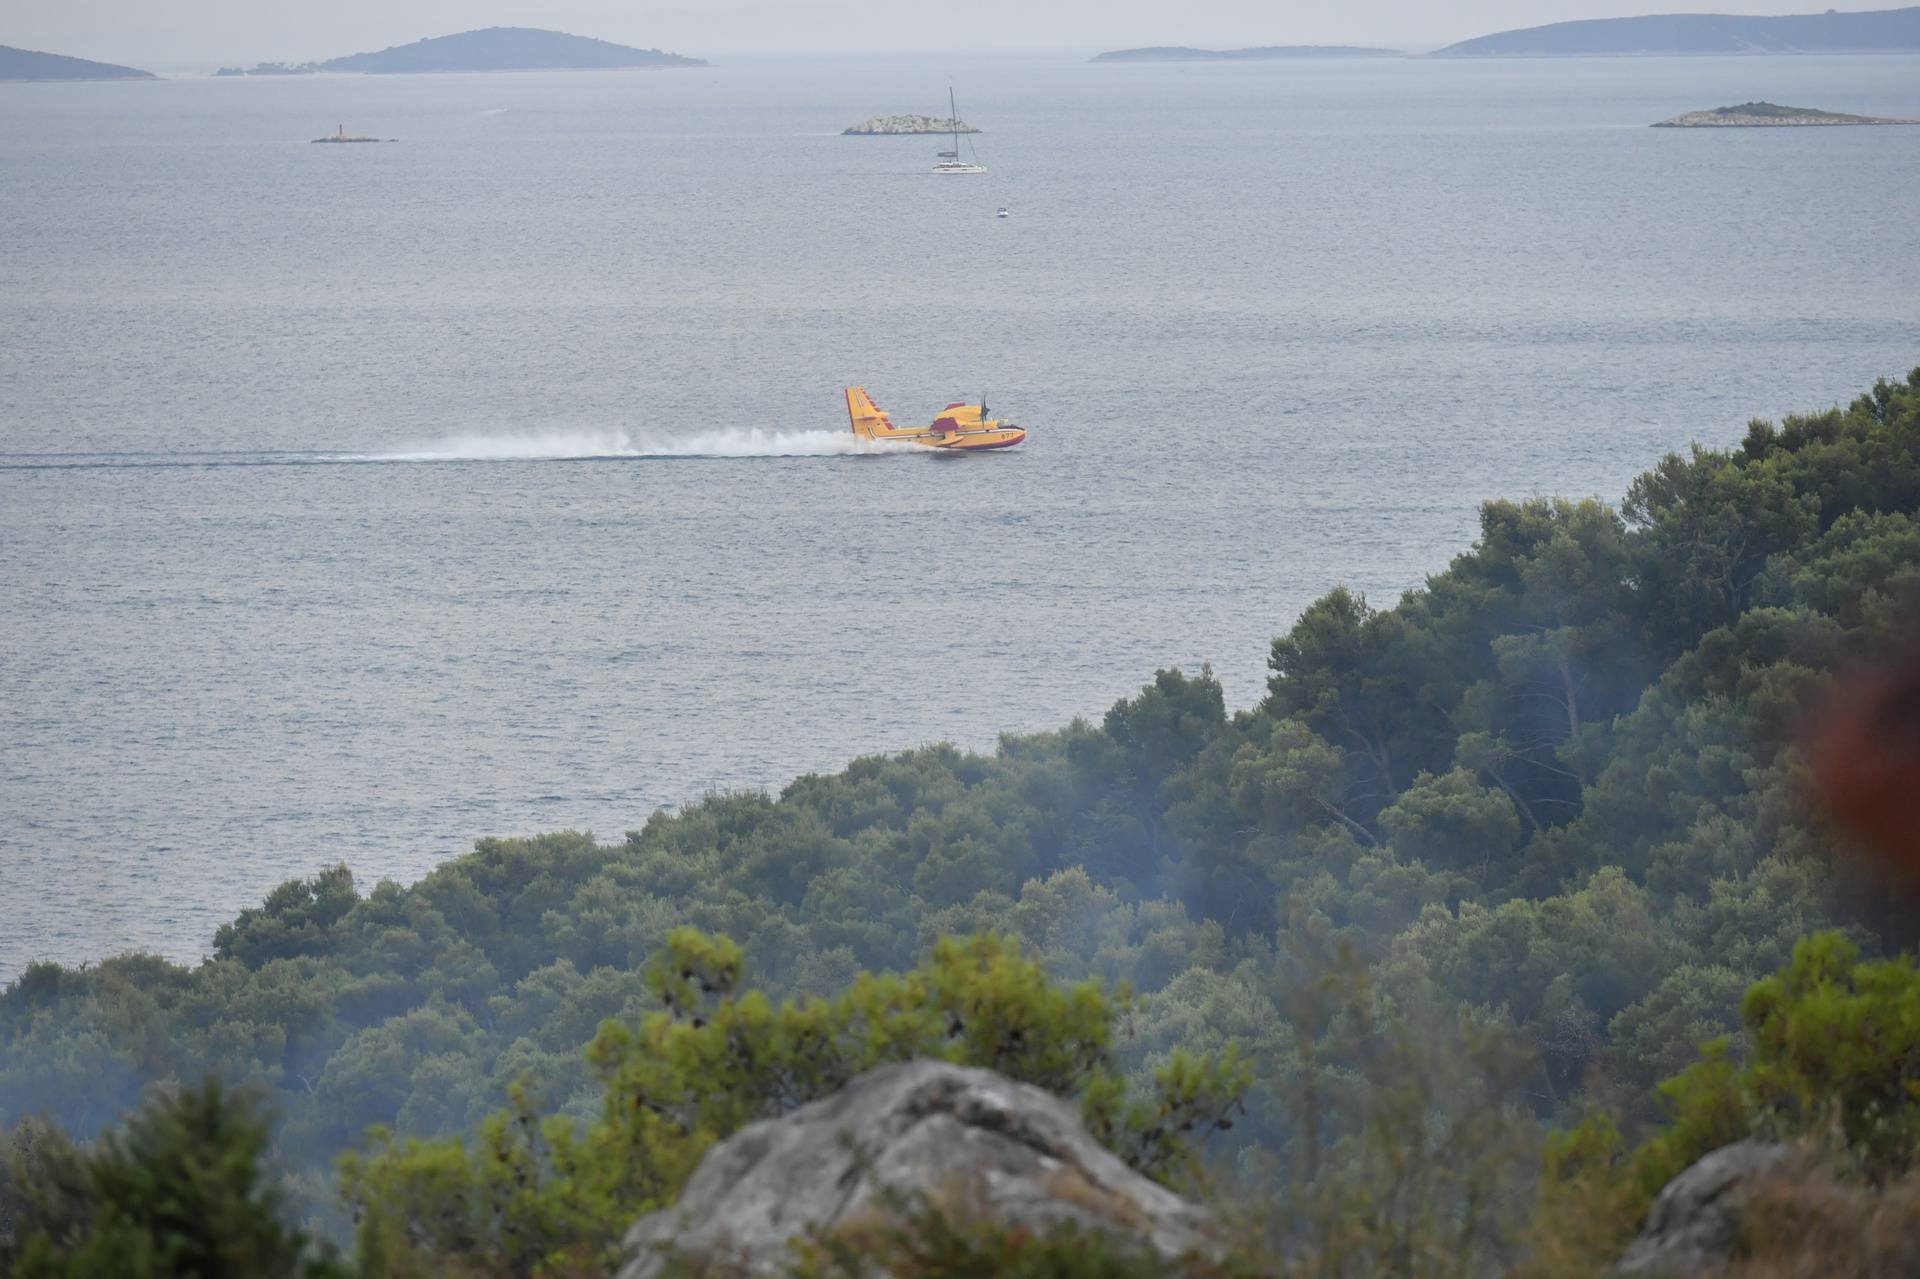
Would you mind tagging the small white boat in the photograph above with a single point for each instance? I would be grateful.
(950, 161)
(1003, 214)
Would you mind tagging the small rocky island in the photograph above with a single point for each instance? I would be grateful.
(341, 135)
(271, 68)
(886, 126)
(1762, 115)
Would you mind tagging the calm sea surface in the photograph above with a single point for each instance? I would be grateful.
(357, 502)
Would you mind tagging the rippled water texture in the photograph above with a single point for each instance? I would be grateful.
(361, 501)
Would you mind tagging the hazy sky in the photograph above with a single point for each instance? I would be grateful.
(190, 32)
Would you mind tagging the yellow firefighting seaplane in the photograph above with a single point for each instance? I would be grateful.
(960, 428)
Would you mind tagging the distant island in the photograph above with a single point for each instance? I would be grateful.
(1180, 53)
(272, 68)
(490, 49)
(25, 64)
(341, 135)
(905, 125)
(1879, 31)
(1761, 115)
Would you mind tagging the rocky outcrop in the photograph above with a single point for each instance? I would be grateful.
(1694, 1225)
(905, 125)
(975, 1144)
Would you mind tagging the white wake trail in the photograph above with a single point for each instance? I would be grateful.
(563, 444)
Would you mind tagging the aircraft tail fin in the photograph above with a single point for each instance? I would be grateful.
(869, 420)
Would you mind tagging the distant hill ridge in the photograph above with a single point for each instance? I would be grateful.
(26, 64)
(1181, 53)
(506, 49)
(1702, 33)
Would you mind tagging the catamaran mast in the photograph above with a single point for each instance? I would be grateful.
(953, 118)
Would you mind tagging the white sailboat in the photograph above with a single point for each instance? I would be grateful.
(950, 161)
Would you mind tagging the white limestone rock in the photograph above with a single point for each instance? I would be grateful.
(971, 1141)
(1694, 1224)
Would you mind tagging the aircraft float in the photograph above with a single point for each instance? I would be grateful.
(960, 428)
